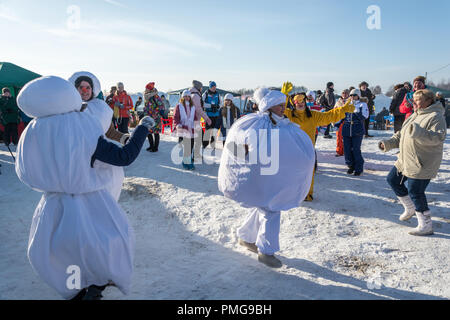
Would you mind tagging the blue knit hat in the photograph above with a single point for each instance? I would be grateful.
(212, 84)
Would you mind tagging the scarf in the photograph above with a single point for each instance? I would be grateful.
(277, 118)
(227, 119)
(184, 117)
(150, 94)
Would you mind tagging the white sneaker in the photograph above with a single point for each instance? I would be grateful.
(410, 208)
(425, 227)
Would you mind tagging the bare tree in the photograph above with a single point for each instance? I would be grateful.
(377, 90)
(390, 91)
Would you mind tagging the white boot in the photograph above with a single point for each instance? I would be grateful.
(410, 208)
(425, 226)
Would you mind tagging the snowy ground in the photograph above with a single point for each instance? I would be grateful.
(347, 244)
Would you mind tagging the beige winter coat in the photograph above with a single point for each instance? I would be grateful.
(421, 143)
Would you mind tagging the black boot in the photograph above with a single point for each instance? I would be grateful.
(150, 141)
(79, 296)
(156, 145)
(93, 293)
(350, 170)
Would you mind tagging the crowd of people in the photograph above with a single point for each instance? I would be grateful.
(88, 172)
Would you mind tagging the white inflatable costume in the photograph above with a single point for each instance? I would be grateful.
(102, 112)
(78, 223)
(269, 184)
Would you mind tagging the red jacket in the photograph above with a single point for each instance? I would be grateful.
(124, 99)
(406, 107)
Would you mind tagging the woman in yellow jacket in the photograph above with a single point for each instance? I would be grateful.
(310, 120)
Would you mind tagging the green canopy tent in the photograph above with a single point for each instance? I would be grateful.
(445, 93)
(15, 77)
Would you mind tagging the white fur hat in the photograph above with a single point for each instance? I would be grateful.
(311, 93)
(48, 96)
(272, 99)
(356, 91)
(259, 94)
(186, 93)
(228, 96)
(97, 87)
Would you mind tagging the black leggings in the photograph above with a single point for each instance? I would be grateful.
(11, 133)
(154, 143)
(366, 125)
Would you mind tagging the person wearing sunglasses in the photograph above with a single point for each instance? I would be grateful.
(309, 120)
(345, 96)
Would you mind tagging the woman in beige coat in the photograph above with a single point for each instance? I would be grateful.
(421, 144)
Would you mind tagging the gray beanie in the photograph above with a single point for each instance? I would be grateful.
(197, 85)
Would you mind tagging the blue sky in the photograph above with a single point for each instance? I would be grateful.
(239, 44)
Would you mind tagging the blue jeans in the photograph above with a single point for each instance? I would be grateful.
(352, 152)
(416, 188)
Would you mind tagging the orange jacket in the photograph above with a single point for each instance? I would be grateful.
(125, 99)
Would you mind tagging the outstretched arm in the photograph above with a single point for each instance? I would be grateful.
(112, 154)
(334, 115)
(392, 143)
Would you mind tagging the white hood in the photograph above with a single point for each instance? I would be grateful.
(96, 107)
(48, 96)
(272, 99)
(97, 87)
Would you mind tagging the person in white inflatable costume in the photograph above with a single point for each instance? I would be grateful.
(80, 239)
(89, 88)
(267, 165)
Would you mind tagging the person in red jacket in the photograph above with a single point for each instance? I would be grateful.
(407, 105)
(124, 102)
(345, 95)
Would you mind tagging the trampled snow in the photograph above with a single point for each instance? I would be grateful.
(347, 244)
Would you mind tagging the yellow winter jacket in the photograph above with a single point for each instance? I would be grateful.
(318, 119)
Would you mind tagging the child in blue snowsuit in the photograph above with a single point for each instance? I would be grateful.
(353, 132)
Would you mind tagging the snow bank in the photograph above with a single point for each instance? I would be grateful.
(381, 102)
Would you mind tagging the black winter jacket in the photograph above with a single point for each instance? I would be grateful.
(371, 97)
(397, 100)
